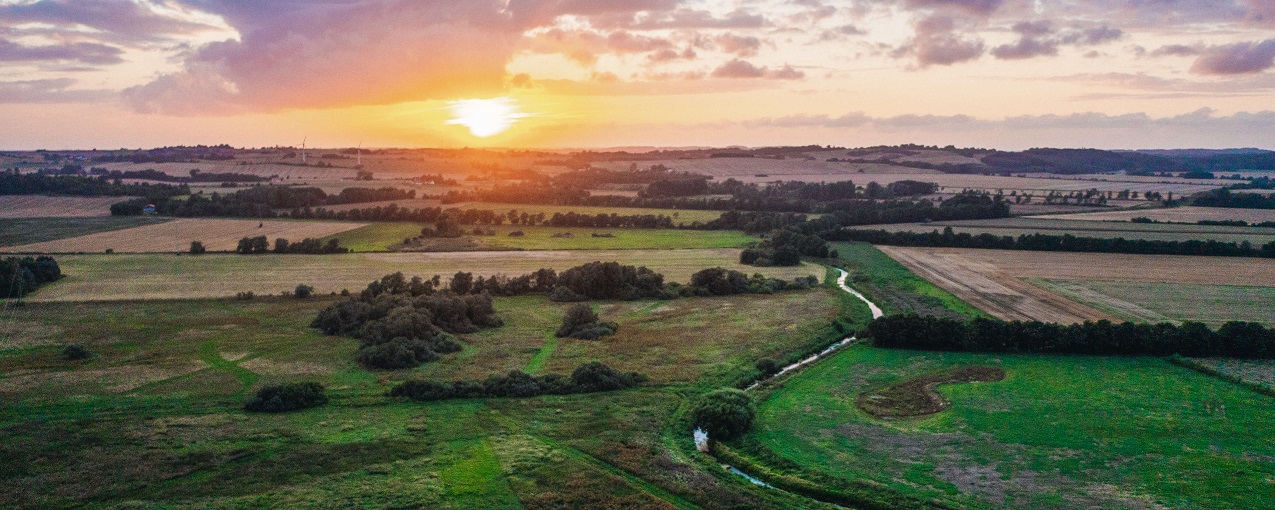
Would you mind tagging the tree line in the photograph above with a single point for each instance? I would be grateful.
(588, 378)
(195, 176)
(1051, 242)
(1224, 198)
(259, 244)
(1248, 340)
(257, 201)
(14, 183)
(22, 276)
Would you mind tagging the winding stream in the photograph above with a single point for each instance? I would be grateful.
(701, 437)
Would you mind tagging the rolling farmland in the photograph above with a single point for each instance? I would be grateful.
(176, 236)
(166, 276)
(38, 206)
(1059, 225)
(18, 231)
(1185, 214)
(994, 281)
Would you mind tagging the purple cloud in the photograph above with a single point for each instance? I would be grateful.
(737, 68)
(1239, 58)
(937, 43)
(88, 53)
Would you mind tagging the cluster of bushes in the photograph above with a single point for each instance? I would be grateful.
(724, 413)
(22, 276)
(717, 281)
(281, 398)
(1233, 339)
(401, 324)
(1051, 242)
(784, 248)
(259, 244)
(588, 378)
(580, 322)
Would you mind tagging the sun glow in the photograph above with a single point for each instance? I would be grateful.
(485, 117)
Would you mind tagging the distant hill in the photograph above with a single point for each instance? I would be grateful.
(1199, 153)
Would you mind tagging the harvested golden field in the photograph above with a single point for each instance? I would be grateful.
(766, 170)
(994, 280)
(36, 206)
(1058, 225)
(175, 236)
(1185, 214)
(101, 277)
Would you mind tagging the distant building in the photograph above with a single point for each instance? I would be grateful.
(149, 209)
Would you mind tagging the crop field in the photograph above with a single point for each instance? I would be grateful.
(1059, 225)
(176, 236)
(1158, 302)
(999, 281)
(678, 215)
(1056, 432)
(1185, 214)
(168, 276)
(37, 206)
(762, 170)
(15, 231)
(160, 401)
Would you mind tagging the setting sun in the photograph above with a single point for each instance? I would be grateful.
(485, 117)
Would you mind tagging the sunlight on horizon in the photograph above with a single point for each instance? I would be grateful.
(485, 117)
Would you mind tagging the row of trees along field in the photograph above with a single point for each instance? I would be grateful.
(1224, 198)
(588, 378)
(22, 276)
(392, 212)
(1050, 242)
(259, 245)
(1234, 339)
(14, 183)
(257, 202)
(402, 323)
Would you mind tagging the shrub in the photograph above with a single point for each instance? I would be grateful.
(724, 413)
(767, 367)
(303, 291)
(75, 352)
(564, 294)
(244, 296)
(197, 248)
(281, 398)
(587, 378)
(595, 376)
(580, 322)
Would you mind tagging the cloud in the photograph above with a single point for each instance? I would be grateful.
(1238, 58)
(301, 54)
(88, 53)
(52, 90)
(1261, 13)
(118, 20)
(737, 68)
(1040, 38)
(740, 45)
(1201, 119)
(686, 19)
(1176, 50)
(980, 7)
(937, 43)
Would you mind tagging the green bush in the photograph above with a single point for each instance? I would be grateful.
(724, 413)
(281, 398)
(75, 352)
(303, 291)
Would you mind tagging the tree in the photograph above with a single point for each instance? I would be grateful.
(197, 248)
(281, 245)
(580, 322)
(303, 291)
(287, 397)
(724, 413)
(462, 282)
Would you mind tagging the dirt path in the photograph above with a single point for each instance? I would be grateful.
(919, 397)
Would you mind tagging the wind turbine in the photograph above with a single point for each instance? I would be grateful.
(360, 153)
(303, 150)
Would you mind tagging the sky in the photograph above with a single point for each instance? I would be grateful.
(1007, 74)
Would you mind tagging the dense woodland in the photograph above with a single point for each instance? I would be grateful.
(22, 276)
(1050, 242)
(1233, 339)
(1224, 198)
(14, 183)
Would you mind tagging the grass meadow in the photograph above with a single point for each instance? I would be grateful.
(1056, 432)
(18, 231)
(390, 236)
(154, 417)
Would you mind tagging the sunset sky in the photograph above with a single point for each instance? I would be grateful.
(1006, 74)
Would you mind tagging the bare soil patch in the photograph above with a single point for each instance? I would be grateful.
(917, 397)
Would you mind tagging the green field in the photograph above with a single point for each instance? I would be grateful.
(1086, 228)
(895, 289)
(14, 232)
(1158, 302)
(1056, 432)
(167, 276)
(390, 236)
(154, 418)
